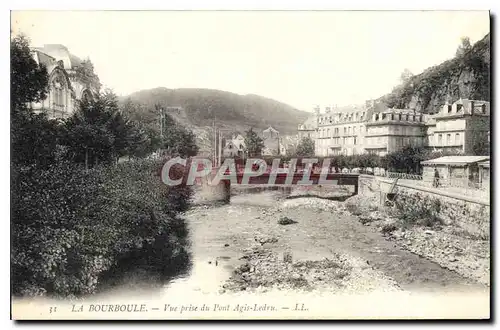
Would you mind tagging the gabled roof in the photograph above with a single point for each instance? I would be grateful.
(270, 129)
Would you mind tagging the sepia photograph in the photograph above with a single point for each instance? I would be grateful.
(250, 165)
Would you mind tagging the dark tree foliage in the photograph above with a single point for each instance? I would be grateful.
(33, 137)
(480, 148)
(98, 132)
(254, 143)
(72, 227)
(28, 81)
(177, 140)
(305, 147)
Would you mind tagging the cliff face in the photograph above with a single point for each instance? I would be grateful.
(466, 76)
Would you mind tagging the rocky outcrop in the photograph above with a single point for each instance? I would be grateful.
(466, 76)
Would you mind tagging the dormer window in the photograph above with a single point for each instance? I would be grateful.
(449, 108)
(483, 108)
(459, 108)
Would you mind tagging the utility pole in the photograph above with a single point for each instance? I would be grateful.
(220, 148)
(214, 162)
(161, 127)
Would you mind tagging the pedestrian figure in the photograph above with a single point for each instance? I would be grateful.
(436, 178)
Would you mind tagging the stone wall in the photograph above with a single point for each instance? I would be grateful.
(206, 193)
(468, 214)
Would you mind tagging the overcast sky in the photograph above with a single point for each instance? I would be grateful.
(300, 58)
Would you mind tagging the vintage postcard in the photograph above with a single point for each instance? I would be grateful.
(249, 165)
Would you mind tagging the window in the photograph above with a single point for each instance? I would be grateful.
(328, 132)
(345, 130)
(457, 138)
(459, 107)
(448, 139)
(354, 140)
(349, 130)
(449, 108)
(440, 139)
(343, 140)
(483, 108)
(354, 130)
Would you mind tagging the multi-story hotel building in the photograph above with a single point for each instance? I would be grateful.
(459, 126)
(392, 129)
(379, 130)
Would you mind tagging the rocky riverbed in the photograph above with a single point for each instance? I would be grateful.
(323, 249)
(448, 246)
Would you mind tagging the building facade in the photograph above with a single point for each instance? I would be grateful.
(70, 80)
(376, 129)
(337, 132)
(271, 139)
(393, 129)
(234, 147)
(459, 126)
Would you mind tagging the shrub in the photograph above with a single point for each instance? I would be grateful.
(415, 209)
(71, 226)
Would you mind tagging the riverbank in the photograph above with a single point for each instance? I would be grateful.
(324, 258)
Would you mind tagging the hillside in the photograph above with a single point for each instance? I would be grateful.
(232, 111)
(466, 76)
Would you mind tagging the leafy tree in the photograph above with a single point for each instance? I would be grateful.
(33, 137)
(406, 76)
(405, 160)
(177, 140)
(97, 131)
(481, 148)
(29, 81)
(305, 147)
(254, 143)
(464, 47)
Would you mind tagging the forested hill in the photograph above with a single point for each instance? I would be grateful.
(231, 110)
(465, 76)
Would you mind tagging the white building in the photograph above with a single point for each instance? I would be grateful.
(70, 79)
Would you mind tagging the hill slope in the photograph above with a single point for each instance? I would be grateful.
(466, 76)
(232, 111)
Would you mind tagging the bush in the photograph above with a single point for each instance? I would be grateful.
(71, 226)
(417, 210)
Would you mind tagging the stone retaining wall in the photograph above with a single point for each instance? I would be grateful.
(471, 215)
